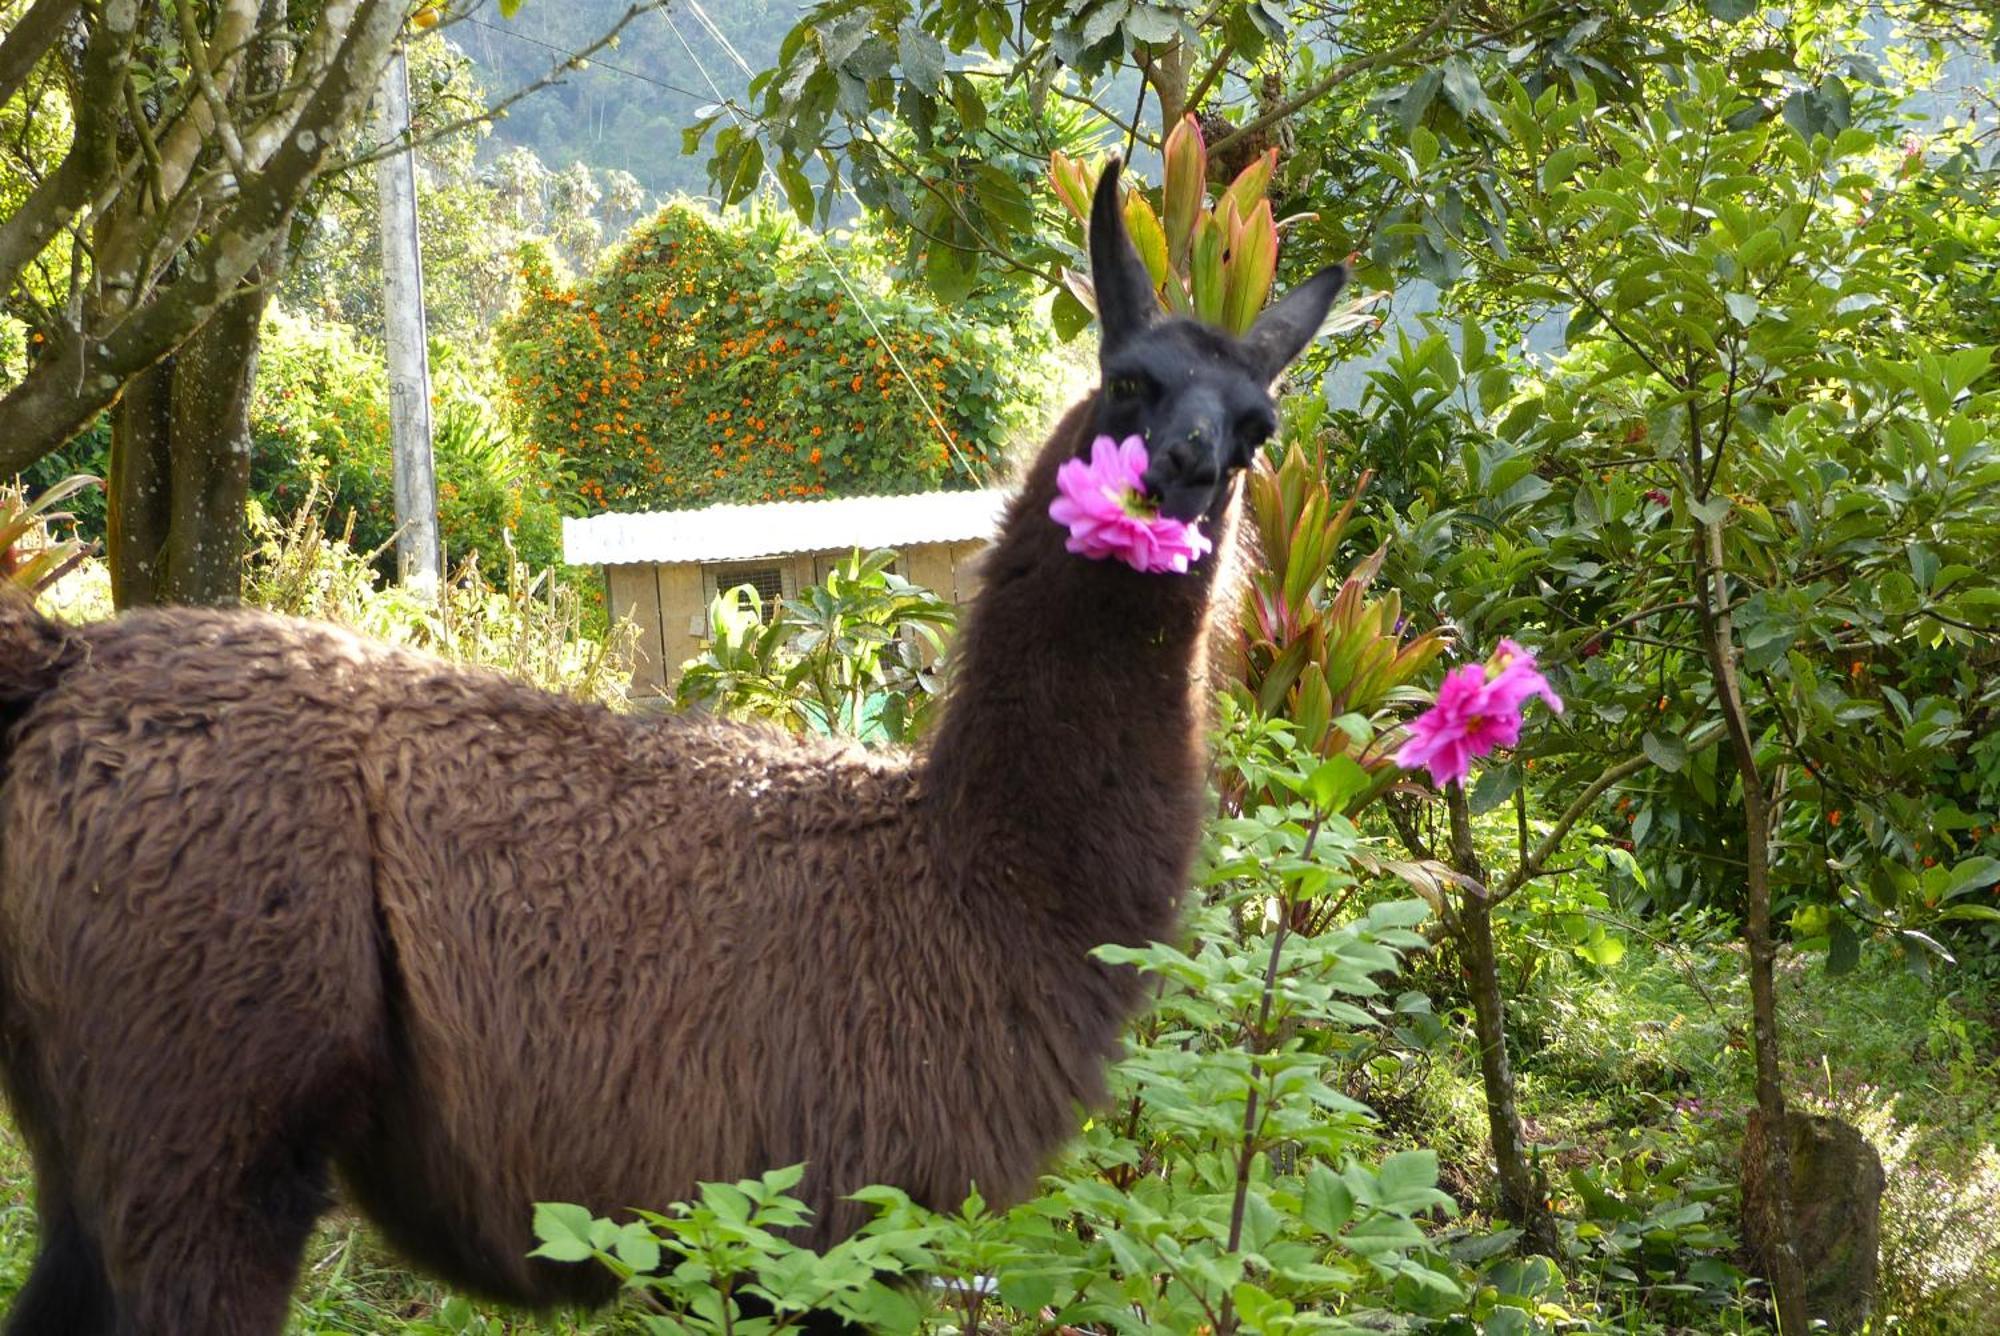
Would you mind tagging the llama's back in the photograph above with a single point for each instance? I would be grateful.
(609, 934)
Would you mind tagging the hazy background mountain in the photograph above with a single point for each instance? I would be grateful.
(627, 110)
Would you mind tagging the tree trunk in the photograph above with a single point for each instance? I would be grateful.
(1520, 1202)
(141, 496)
(1167, 72)
(1788, 1288)
(180, 467)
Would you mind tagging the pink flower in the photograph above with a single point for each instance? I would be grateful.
(1478, 709)
(1104, 506)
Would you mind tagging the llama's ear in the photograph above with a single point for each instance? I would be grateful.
(1284, 330)
(1125, 301)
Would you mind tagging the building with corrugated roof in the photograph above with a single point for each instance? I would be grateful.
(663, 568)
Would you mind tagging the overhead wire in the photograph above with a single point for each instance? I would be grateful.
(593, 62)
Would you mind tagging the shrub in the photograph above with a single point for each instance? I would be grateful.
(320, 411)
(723, 359)
(847, 656)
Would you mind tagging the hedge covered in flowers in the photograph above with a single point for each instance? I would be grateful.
(721, 359)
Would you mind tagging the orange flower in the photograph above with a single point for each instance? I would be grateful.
(814, 457)
(1833, 817)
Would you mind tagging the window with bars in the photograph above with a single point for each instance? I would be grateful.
(770, 582)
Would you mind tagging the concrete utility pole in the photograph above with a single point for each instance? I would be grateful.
(417, 557)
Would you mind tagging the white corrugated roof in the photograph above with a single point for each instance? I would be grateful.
(777, 528)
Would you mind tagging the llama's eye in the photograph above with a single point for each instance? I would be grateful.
(1127, 387)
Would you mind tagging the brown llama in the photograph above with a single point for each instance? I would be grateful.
(278, 902)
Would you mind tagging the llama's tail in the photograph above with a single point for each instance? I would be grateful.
(35, 651)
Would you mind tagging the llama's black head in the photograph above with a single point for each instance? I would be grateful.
(1201, 398)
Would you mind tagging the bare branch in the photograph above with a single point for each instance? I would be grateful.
(79, 375)
(224, 125)
(1531, 866)
(92, 153)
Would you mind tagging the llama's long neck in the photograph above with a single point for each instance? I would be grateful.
(1065, 778)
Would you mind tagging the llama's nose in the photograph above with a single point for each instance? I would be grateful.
(1183, 475)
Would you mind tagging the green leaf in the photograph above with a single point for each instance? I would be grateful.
(1028, 1291)
(1069, 316)
(798, 190)
(1328, 1204)
(1601, 948)
(1408, 1180)
(1970, 875)
(637, 1248)
(1334, 781)
(743, 170)
(1145, 23)
(1462, 90)
(1730, 11)
(564, 1230)
(1668, 753)
(1417, 98)
(1185, 187)
(1711, 511)
(922, 57)
(1496, 786)
(1928, 943)
(1843, 947)
(1742, 306)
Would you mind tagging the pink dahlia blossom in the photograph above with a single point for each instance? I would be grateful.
(1104, 506)
(1478, 709)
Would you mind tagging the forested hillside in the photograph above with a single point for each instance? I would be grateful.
(626, 111)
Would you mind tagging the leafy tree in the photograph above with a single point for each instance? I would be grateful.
(471, 219)
(1256, 74)
(169, 147)
(1746, 506)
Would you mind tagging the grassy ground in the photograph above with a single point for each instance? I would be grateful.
(1641, 1075)
(351, 1284)
(1641, 1066)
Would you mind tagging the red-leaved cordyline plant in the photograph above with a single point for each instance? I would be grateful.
(31, 556)
(1313, 646)
(1214, 262)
